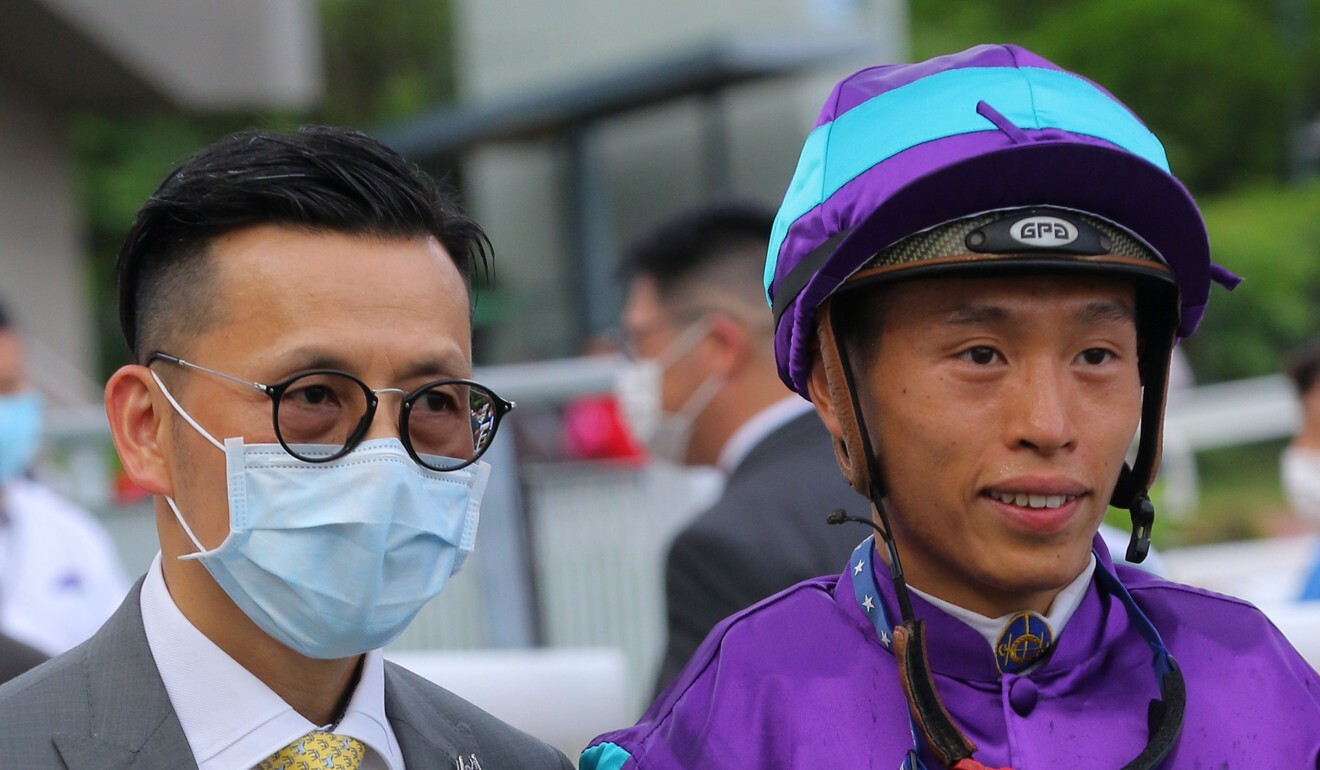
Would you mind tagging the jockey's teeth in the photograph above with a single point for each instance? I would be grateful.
(1031, 501)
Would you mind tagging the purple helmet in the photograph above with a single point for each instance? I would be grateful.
(901, 149)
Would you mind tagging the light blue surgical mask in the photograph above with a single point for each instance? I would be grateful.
(20, 432)
(334, 559)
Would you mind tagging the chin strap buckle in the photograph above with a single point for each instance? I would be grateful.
(1143, 519)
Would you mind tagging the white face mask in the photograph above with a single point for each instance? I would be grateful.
(638, 389)
(1300, 472)
(334, 559)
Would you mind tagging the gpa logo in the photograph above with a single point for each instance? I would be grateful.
(1043, 231)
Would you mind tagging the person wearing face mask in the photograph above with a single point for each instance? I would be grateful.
(703, 390)
(1299, 466)
(60, 576)
(298, 306)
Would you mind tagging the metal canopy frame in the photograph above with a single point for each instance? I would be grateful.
(566, 114)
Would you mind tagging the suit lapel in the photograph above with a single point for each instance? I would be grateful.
(424, 733)
(126, 702)
(165, 748)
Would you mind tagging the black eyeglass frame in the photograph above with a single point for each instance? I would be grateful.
(275, 391)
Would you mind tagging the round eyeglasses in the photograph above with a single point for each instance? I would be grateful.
(445, 424)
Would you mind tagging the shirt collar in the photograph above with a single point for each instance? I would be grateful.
(762, 424)
(1061, 609)
(955, 649)
(229, 716)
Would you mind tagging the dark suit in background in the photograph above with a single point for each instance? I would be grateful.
(766, 532)
(16, 657)
(102, 706)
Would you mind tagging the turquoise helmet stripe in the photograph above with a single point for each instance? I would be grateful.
(1031, 97)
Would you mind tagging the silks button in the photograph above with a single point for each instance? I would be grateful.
(1022, 695)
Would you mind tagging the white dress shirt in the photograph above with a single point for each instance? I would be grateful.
(230, 717)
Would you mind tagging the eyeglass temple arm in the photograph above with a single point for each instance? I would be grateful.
(257, 386)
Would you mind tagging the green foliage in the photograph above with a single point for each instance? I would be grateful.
(385, 61)
(1271, 237)
(1218, 96)
(1218, 82)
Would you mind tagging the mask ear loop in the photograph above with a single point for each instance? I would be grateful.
(170, 397)
(701, 397)
(942, 735)
(684, 343)
(201, 549)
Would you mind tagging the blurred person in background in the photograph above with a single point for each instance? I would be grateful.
(703, 390)
(1299, 466)
(299, 309)
(978, 275)
(60, 576)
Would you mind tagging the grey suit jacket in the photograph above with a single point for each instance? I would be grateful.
(103, 706)
(766, 532)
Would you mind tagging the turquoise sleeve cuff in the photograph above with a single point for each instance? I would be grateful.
(604, 756)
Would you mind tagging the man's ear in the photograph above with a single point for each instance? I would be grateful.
(818, 389)
(138, 427)
(727, 345)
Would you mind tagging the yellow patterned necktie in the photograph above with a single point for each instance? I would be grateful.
(317, 750)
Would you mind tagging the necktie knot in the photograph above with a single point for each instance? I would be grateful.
(317, 750)
(1024, 641)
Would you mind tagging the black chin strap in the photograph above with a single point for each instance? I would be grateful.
(1132, 490)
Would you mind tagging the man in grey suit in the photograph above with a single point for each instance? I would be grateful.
(298, 307)
(696, 323)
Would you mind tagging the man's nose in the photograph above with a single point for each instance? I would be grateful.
(385, 422)
(1041, 418)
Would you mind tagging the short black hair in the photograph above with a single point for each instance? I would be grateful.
(317, 178)
(6, 321)
(687, 242)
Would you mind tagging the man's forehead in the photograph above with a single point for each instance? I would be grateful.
(324, 295)
(418, 361)
(1086, 311)
(644, 306)
(969, 301)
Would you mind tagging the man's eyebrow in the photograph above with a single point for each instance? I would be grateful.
(1096, 312)
(434, 367)
(974, 314)
(442, 366)
(1106, 311)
